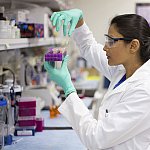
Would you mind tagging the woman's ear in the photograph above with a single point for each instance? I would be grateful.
(134, 46)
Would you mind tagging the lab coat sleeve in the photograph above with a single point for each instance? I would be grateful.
(92, 51)
(124, 121)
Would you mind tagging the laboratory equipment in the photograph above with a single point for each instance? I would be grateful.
(2, 124)
(26, 111)
(55, 56)
(5, 28)
(31, 30)
(11, 92)
(3, 108)
(2, 9)
(26, 122)
(25, 131)
(39, 124)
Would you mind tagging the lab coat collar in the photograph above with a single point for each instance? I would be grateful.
(138, 75)
(141, 72)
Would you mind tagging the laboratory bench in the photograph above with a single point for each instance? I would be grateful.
(48, 140)
(57, 135)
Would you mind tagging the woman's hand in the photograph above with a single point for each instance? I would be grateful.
(67, 18)
(61, 76)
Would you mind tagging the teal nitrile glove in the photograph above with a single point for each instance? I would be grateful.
(70, 17)
(61, 76)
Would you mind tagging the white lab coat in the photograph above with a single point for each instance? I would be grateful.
(126, 126)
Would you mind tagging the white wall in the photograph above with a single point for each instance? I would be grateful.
(98, 13)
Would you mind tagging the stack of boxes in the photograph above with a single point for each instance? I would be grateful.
(31, 30)
(26, 124)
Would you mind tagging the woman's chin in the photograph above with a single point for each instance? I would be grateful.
(110, 63)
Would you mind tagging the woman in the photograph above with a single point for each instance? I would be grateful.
(123, 120)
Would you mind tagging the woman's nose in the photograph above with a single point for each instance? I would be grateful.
(105, 48)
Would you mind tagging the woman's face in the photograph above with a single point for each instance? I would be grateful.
(118, 53)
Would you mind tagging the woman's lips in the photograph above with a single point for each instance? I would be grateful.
(107, 56)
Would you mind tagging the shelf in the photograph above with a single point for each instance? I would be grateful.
(8, 44)
(53, 4)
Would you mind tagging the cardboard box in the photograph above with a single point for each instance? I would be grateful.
(27, 111)
(31, 30)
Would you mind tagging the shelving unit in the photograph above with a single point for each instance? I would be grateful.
(8, 44)
(53, 4)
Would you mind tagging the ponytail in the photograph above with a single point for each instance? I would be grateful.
(145, 50)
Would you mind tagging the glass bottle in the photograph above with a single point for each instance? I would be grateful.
(2, 9)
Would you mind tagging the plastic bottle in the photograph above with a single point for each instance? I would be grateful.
(5, 28)
(17, 32)
(13, 33)
(52, 112)
(2, 9)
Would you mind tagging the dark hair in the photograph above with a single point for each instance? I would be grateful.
(136, 27)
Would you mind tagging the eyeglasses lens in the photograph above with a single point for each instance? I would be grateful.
(109, 42)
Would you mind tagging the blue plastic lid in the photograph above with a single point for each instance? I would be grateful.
(3, 102)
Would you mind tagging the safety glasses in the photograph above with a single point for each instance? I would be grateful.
(110, 41)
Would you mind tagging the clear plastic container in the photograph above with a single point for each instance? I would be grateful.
(4, 23)
(5, 31)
